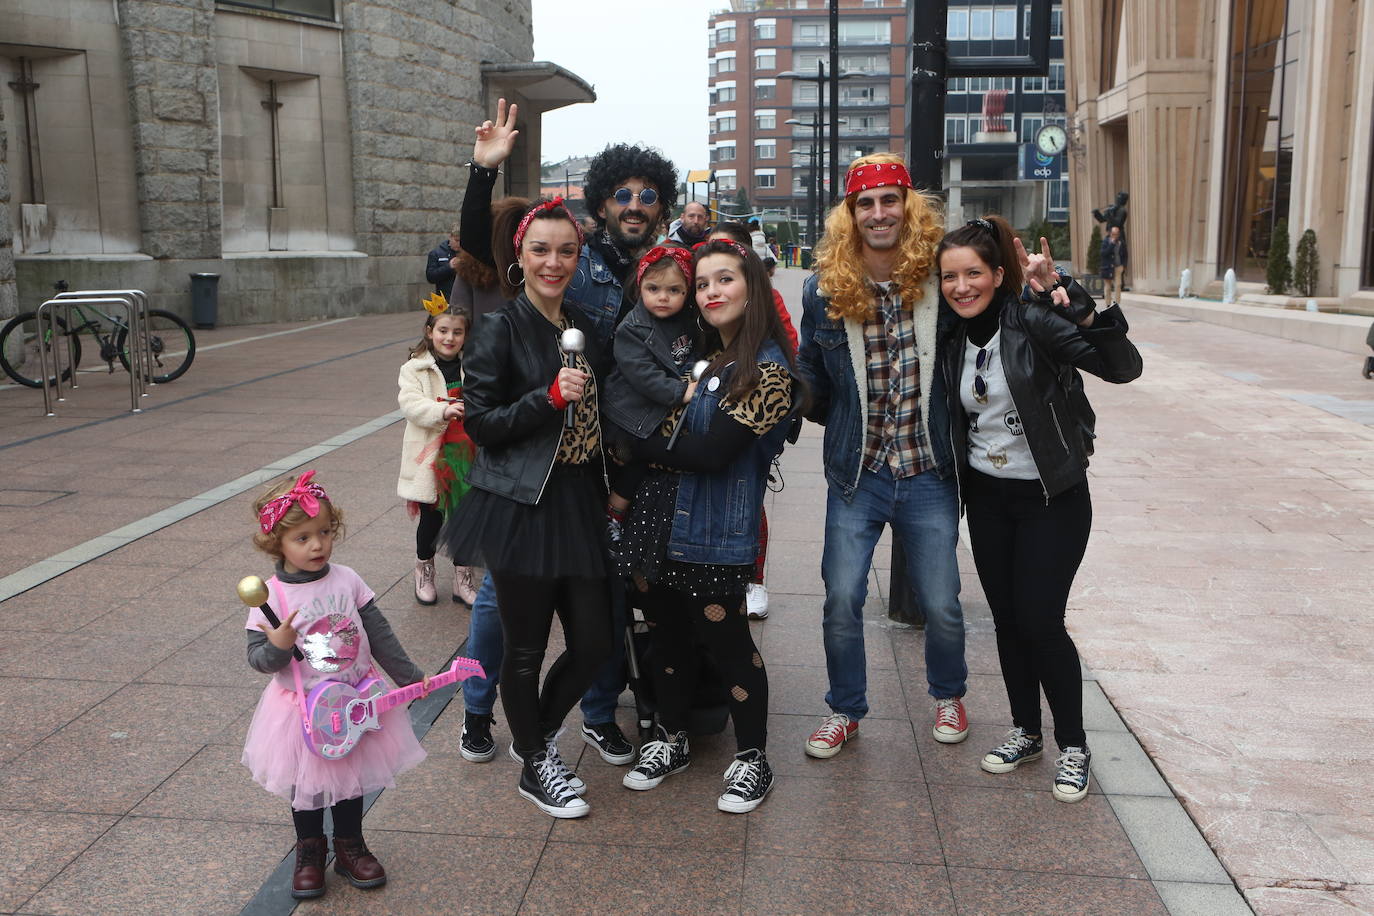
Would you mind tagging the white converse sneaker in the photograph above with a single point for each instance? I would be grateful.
(756, 601)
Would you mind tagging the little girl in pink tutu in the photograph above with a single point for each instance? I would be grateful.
(329, 629)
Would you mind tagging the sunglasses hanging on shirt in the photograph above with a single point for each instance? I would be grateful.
(980, 386)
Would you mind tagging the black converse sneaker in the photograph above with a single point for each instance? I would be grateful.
(542, 782)
(1071, 780)
(609, 741)
(551, 749)
(659, 759)
(747, 781)
(1018, 748)
(477, 745)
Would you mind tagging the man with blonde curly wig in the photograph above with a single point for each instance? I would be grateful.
(868, 333)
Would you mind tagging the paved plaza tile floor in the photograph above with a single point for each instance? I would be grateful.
(1223, 615)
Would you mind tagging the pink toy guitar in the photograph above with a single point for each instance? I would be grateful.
(338, 715)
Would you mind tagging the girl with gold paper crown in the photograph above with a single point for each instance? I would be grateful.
(436, 453)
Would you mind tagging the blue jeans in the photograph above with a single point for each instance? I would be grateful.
(487, 645)
(924, 512)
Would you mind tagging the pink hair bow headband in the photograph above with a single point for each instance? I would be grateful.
(556, 203)
(305, 493)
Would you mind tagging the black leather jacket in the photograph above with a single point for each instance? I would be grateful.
(1041, 353)
(508, 369)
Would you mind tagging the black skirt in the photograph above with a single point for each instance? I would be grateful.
(564, 534)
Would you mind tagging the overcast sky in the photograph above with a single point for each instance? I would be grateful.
(647, 62)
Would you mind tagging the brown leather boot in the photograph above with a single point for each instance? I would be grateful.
(308, 879)
(355, 861)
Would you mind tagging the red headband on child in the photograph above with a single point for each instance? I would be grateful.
(305, 493)
(556, 203)
(682, 256)
(876, 175)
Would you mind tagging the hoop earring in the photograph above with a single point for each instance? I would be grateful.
(511, 280)
(700, 327)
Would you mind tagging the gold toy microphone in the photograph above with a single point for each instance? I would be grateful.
(253, 592)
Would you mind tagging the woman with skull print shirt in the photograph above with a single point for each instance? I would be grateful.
(1023, 431)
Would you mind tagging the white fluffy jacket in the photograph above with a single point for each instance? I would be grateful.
(421, 384)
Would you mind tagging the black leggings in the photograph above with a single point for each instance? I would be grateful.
(348, 820)
(1027, 553)
(681, 624)
(427, 532)
(527, 605)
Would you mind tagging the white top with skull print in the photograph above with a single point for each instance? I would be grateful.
(996, 442)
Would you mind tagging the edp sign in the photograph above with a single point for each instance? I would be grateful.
(1036, 166)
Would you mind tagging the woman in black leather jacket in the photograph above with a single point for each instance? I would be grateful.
(534, 517)
(1023, 430)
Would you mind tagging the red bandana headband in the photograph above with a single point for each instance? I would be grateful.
(305, 493)
(876, 175)
(556, 203)
(682, 256)
(743, 252)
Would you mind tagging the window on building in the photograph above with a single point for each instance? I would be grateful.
(980, 24)
(1030, 125)
(725, 153)
(863, 95)
(765, 60)
(765, 91)
(956, 25)
(1032, 84)
(1004, 24)
(765, 179)
(725, 94)
(765, 30)
(956, 129)
(1056, 23)
(811, 33)
(958, 84)
(765, 151)
(725, 182)
(725, 65)
(865, 32)
(767, 121)
(1056, 83)
(319, 9)
(804, 93)
(726, 35)
(1057, 197)
(712, 68)
(870, 64)
(725, 125)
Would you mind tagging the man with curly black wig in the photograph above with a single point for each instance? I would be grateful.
(628, 190)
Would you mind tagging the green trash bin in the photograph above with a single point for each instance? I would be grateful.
(806, 258)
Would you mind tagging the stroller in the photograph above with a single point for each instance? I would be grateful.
(710, 707)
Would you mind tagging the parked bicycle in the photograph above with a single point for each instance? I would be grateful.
(171, 342)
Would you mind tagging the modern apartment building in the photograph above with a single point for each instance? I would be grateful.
(762, 124)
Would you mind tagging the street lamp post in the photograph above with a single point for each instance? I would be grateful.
(819, 78)
(813, 187)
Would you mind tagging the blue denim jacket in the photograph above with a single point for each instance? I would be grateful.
(717, 515)
(828, 364)
(598, 292)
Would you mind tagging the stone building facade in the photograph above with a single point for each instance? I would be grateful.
(310, 158)
(1219, 118)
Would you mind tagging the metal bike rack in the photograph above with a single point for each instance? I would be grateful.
(65, 303)
(140, 335)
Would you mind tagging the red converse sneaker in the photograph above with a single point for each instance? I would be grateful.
(827, 740)
(951, 722)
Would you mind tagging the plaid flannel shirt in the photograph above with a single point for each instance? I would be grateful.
(896, 435)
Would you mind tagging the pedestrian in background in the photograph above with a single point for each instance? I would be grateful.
(443, 263)
(1022, 430)
(1114, 256)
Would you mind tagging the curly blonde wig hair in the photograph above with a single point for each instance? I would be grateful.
(839, 257)
(270, 543)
